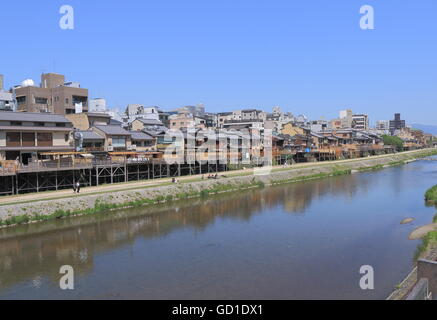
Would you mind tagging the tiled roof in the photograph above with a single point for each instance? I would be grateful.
(139, 135)
(90, 135)
(113, 130)
(32, 117)
(151, 122)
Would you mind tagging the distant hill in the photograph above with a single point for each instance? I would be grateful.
(425, 128)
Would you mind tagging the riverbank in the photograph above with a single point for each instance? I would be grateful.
(19, 211)
(427, 250)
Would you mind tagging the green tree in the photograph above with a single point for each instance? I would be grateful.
(394, 141)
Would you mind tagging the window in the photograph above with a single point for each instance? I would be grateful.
(41, 100)
(67, 137)
(119, 141)
(45, 139)
(21, 100)
(28, 139)
(66, 101)
(62, 125)
(39, 124)
(16, 123)
(13, 139)
(80, 99)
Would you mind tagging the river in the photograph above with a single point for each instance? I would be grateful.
(299, 241)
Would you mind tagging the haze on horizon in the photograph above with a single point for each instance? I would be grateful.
(308, 57)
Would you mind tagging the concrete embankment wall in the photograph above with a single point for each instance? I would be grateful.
(98, 202)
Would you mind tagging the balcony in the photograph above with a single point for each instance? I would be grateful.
(8, 168)
(56, 165)
(94, 149)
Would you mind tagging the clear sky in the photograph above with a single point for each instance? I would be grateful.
(307, 56)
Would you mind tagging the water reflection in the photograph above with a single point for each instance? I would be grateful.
(33, 253)
(42, 248)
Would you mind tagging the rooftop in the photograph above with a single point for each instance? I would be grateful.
(113, 130)
(32, 117)
(90, 135)
(139, 135)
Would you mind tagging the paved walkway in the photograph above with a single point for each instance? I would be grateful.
(150, 183)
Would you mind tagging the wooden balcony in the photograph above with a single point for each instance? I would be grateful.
(8, 168)
(56, 165)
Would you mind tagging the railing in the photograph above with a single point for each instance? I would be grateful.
(94, 149)
(420, 291)
(121, 161)
(8, 168)
(56, 165)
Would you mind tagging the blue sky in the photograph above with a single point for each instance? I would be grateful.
(307, 56)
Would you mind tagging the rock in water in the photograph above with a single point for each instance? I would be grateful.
(407, 220)
(421, 232)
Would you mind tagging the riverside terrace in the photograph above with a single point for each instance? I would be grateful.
(39, 152)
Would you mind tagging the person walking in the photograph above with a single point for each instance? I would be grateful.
(77, 187)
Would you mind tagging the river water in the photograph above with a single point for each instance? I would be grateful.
(298, 241)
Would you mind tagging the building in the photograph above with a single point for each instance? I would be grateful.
(142, 141)
(293, 129)
(346, 118)
(319, 125)
(135, 111)
(382, 127)
(116, 138)
(360, 122)
(223, 117)
(98, 105)
(141, 124)
(164, 118)
(6, 101)
(251, 125)
(89, 141)
(249, 115)
(275, 120)
(397, 123)
(84, 121)
(54, 95)
(198, 111)
(182, 120)
(24, 136)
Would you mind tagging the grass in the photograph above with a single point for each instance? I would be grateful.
(103, 207)
(429, 242)
(371, 168)
(431, 194)
(335, 172)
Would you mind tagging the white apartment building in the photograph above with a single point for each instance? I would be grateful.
(97, 105)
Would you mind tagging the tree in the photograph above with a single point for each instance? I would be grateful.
(394, 141)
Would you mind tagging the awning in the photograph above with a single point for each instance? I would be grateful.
(87, 155)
